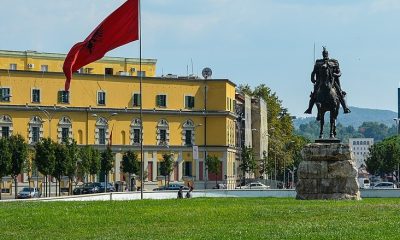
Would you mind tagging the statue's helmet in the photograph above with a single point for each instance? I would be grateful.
(325, 52)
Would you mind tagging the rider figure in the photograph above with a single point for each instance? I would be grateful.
(315, 79)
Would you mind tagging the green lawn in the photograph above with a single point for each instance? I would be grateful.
(202, 218)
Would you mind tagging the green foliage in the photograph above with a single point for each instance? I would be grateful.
(19, 151)
(203, 218)
(375, 130)
(213, 164)
(71, 159)
(60, 152)
(5, 157)
(45, 156)
(107, 160)
(130, 163)
(90, 160)
(384, 156)
(166, 166)
(248, 162)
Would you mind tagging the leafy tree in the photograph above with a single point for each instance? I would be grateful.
(384, 156)
(45, 157)
(19, 154)
(248, 163)
(130, 165)
(71, 162)
(5, 160)
(60, 168)
(375, 130)
(167, 166)
(214, 166)
(107, 162)
(90, 160)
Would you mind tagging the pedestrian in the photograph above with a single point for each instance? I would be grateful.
(180, 192)
(189, 193)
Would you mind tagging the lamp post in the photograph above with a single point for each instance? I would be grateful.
(107, 119)
(397, 120)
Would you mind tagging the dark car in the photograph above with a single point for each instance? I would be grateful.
(78, 191)
(171, 187)
(110, 187)
(89, 188)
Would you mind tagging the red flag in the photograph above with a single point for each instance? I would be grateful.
(119, 28)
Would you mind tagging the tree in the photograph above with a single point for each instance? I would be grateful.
(166, 166)
(107, 162)
(214, 166)
(60, 168)
(19, 154)
(248, 163)
(45, 158)
(5, 160)
(384, 157)
(90, 160)
(71, 162)
(130, 165)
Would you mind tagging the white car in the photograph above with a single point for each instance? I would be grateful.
(385, 185)
(28, 193)
(254, 185)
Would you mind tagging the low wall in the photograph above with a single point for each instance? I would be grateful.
(275, 193)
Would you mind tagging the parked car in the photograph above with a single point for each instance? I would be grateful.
(384, 185)
(78, 190)
(171, 187)
(220, 186)
(100, 185)
(27, 192)
(254, 185)
(89, 188)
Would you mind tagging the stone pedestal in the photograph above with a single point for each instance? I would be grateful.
(327, 172)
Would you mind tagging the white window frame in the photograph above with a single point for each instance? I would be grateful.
(6, 121)
(101, 123)
(163, 125)
(65, 122)
(135, 124)
(105, 98)
(39, 95)
(13, 66)
(188, 125)
(44, 68)
(35, 121)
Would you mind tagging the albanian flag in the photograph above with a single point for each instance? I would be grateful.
(119, 28)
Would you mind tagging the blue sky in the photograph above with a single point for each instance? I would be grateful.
(249, 42)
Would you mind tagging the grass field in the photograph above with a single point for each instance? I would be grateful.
(202, 218)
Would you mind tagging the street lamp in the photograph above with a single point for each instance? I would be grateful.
(397, 120)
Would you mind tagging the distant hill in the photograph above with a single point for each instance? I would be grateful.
(356, 117)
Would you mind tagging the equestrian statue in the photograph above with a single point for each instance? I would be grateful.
(328, 94)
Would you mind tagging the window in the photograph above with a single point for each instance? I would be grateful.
(101, 98)
(13, 66)
(189, 102)
(162, 132)
(108, 71)
(5, 131)
(136, 136)
(163, 136)
(161, 100)
(136, 100)
(101, 132)
(63, 96)
(102, 136)
(135, 132)
(64, 134)
(5, 94)
(36, 95)
(44, 68)
(188, 137)
(141, 73)
(187, 169)
(35, 134)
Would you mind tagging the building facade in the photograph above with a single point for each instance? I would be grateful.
(104, 103)
(360, 148)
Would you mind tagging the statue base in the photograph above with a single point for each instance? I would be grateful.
(327, 172)
(330, 140)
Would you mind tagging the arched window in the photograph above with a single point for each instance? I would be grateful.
(101, 131)
(6, 126)
(64, 130)
(188, 133)
(135, 132)
(35, 129)
(163, 132)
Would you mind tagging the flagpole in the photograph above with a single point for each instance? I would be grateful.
(141, 102)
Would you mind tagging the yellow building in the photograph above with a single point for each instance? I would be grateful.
(178, 112)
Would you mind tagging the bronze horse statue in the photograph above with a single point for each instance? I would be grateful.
(327, 99)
